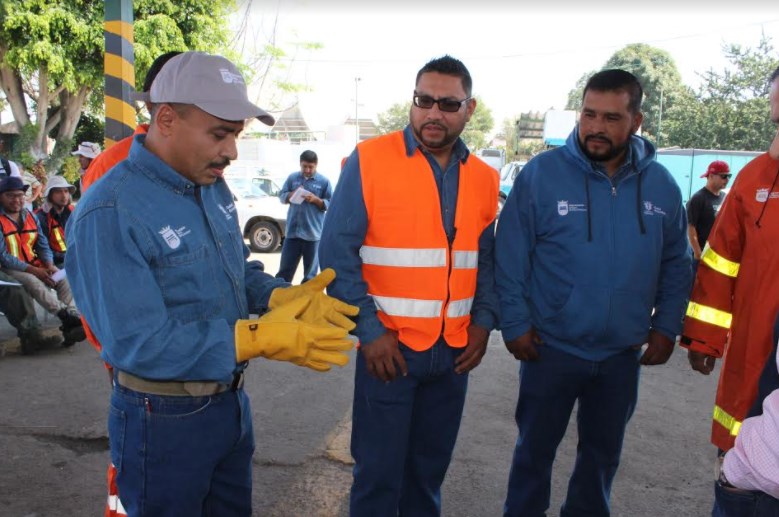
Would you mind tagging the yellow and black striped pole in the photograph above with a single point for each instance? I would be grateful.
(119, 71)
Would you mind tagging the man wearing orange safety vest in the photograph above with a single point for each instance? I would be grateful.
(54, 215)
(736, 293)
(410, 233)
(26, 257)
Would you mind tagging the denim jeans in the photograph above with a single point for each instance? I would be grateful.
(606, 392)
(404, 432)
(743, 503)
(182, 455)
(291, 251)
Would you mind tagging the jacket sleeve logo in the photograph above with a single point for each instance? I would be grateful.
(562, 207)
(171, 239)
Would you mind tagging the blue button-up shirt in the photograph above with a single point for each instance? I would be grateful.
(158, 267)
(42, 248)
(304, 221)
(347, 223)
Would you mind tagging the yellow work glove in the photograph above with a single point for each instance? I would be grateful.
(323, 309)
(280, 335)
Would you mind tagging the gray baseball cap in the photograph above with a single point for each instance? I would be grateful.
(212, 83)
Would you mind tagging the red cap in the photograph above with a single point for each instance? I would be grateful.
(716, 167)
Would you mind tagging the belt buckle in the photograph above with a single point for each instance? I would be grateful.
(237, 381)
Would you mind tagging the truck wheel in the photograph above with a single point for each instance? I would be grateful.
(264, 237)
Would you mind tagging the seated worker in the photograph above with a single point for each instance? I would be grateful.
(26, 257)
(54, 215)
(18, 307)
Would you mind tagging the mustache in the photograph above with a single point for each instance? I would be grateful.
(602, 138)
(434, 124)
(219, 165)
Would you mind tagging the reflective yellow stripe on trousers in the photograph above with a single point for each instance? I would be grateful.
(719, 263)
(709, 315)
(727, 421)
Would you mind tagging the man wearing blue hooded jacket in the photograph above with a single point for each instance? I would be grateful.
(592, 262)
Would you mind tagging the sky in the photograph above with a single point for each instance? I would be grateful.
(520, 58)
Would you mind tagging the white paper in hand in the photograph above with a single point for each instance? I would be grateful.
(59, 275)
(298, 196)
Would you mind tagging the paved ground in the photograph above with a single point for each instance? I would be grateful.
(53, 443)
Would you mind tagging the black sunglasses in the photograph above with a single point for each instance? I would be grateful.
(447, 105)
(725, 176)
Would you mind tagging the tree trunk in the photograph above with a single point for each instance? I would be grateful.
(40, 145)
(11, 83)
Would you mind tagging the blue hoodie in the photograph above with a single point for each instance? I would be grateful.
(585, 259)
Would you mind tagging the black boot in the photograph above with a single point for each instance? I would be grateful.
(72, 329)
(35, 340)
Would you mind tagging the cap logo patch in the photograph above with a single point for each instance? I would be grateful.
(229, 77)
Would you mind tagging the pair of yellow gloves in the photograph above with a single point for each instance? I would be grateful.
(304, 326)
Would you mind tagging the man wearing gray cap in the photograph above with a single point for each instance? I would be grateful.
(168, 292)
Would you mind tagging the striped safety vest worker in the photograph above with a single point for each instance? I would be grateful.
(57, 232)
(21, 242)
(735, 298)
(422, 287)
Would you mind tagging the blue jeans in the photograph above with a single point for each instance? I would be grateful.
(182, 455)
(743, 503)
(291, 251)
(403, 434)
(606, 392)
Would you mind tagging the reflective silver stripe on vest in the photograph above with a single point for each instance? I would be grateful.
(465, 259)
(408, 307)
(403, 257)
(458, 308)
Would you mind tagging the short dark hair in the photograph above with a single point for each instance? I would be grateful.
(449, 66)
(774, 76)
(156, 66)
(616, 79)
(308, 156)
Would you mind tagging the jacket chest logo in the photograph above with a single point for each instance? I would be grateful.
(652, 209)
(170, 237)
(761, 196)
(562, 207)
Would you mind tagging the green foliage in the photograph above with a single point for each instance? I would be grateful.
(59, 45)
(70, 169)
(475, 133)
(657, 72)
(90, 129)
(21, 151)
(394, 119)
(731, 109)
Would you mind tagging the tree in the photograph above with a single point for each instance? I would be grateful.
(475, 133)
(394, 119)
(730, 110)
(659, 77)
(51, 55)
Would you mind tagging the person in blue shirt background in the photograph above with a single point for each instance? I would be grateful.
(304, 220)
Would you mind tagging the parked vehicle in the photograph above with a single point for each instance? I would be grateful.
(508, 174)
(261, 217)
(495, 158)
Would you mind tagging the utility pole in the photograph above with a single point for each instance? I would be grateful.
(119, 71)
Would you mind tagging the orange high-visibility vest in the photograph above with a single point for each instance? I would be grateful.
(21, 243)
(56, 232)
(422, 288)
(735, 298)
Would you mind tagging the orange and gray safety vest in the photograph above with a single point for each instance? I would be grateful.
(422, 287)
(20, 242)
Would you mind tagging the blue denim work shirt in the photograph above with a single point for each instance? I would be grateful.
(159, 269)
(304, 221)
(347, 223)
